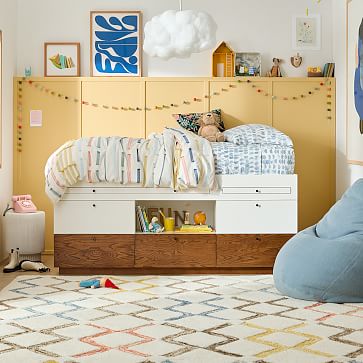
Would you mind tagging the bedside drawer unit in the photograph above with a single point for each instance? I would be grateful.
(256, 216)
(94, 217)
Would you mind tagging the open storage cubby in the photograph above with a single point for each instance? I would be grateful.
(176, 209)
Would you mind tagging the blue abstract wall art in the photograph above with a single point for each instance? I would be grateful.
(115, 43)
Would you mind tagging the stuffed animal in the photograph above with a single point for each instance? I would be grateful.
(154, 226)
(209, 128)
(95, 283)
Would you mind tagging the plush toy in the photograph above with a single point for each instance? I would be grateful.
(154, 226)
(95, 283)
(209, 128)
(275, 70)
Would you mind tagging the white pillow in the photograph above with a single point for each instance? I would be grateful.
(256, 134)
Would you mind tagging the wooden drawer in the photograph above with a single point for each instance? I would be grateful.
(175, 250)
(94, 217)
(257, 250)
(107, 251)
(256, 216)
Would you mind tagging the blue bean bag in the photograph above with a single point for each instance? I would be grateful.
(325, 262)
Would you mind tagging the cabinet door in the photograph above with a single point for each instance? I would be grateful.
(102, 114)
(164, 98)
(307, 122)
(61, 122)
(167, 250)
(102, 251)
(101, 216)
(256, 216)
(249, 250)
(241, 103)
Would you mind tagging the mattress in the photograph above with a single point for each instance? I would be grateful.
(231, 159)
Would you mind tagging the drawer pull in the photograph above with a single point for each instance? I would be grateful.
(94, 205)
(258, 205)
(258, 238)
(94, 238)
(258, 191)
(94, 190)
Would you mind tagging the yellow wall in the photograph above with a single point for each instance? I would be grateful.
(136, 107)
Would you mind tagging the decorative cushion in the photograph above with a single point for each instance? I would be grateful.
(346, 216)
(256, 134)
(329, 269)
(190, 121)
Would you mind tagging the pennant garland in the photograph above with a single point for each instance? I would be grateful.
(231, 87)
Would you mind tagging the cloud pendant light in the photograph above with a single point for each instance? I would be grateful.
(178, 34)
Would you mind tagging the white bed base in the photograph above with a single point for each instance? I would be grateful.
(243, 204)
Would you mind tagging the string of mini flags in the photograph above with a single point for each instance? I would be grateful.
(253, 84)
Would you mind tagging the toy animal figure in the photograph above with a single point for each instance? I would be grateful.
(275, 70)
(154, 226)
(209, 128)
(95, 283)
(358, 80)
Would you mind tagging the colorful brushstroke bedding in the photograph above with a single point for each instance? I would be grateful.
(176, 159)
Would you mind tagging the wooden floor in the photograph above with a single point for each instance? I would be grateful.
(6, 278)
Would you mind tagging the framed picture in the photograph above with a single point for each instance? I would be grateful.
(61, 60)
(115, 43)
(248, 64)
(354, 92)
(306, 32)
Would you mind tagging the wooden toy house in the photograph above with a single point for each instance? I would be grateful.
(223, 61)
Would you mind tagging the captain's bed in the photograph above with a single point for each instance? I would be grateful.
(246, 185)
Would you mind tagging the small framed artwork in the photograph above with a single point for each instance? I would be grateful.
(248, 64)
(306, 32)
(115, 43)
(61, 60)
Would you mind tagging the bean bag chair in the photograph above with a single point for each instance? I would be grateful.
(325, 262)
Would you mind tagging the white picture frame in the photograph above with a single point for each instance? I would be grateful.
(306, 32)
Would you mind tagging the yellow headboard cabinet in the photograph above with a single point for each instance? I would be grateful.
(303, 108)
(167, 97)
(241, 103)
(61, 120)
(113, 108)
(310, 122)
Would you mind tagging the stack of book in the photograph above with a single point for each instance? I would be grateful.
(142, 218)
(328, 70)
(195, 228)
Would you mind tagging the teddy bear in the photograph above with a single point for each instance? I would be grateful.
(209, 128)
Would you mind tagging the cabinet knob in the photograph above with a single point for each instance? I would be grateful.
(94, 190)
(94, 205)
(258, 238)
(258, 205)
(94, 238)
(258, 191)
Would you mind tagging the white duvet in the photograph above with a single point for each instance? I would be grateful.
(176, 159)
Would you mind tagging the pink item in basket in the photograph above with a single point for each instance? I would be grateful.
(23, 204)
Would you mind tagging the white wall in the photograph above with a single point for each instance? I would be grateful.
(247, 25)
(346, 173)
(8, 27)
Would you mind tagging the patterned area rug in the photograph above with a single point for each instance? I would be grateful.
(212, 319)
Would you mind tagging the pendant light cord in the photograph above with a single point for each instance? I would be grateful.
(181, 5)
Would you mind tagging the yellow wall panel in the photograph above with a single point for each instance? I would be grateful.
(307, 121)
(102, 120)
(242, 103)
(61, 122)
(163, 94)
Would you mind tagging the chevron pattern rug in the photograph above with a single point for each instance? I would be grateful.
(211, 319)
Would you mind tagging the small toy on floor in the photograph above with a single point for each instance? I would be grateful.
(96, 283)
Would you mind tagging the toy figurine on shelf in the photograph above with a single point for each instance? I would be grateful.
(154, 226)
(96, 283)
(275, 70)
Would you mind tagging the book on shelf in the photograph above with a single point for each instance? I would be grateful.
(195, 228)
(329, 70)
(142, 219)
